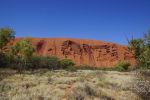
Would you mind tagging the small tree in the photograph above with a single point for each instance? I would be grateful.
(6, 34)
(136, 46)
(141, 49)
(23, 50)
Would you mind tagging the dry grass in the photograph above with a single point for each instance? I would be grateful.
(64, 85)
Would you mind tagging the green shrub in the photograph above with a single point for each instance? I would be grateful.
(3, 60)
(64, 63)
(35, 62)
(53, 62)
(50, 62)
(122, 66)
(7, 61)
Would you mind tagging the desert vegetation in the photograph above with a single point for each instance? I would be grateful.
(141, 49)
(65, 85)
(24, 75)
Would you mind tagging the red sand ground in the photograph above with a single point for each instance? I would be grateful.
(89, 52)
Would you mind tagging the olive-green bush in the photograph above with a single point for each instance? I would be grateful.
(64, 63)
(122, 66)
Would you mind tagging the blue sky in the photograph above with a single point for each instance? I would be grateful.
(108, 20)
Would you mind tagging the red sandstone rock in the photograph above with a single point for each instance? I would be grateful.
(89, 52)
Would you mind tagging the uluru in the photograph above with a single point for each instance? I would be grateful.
(82, 51)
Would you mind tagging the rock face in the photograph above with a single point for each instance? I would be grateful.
(89, 52)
